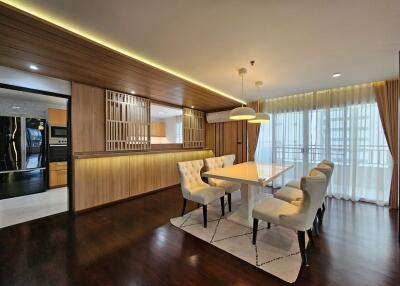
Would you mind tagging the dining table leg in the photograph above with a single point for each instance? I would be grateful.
(250, 195)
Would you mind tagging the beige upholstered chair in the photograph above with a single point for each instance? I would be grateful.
(299, 218)
(292, 192)
(194, 189)
(228, 159)
(229, 187)
(296, 183)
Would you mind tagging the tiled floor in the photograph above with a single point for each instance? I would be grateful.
(25, 208)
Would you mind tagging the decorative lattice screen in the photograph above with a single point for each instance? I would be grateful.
(193, 128)
(127, 122)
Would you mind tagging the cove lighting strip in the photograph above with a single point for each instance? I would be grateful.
(74, 29)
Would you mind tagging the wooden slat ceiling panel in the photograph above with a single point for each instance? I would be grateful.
(61, 54)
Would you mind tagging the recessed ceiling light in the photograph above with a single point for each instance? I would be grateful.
(192, 106)
(337, 74)
(133, 92)
(15, 107)
(33, 67)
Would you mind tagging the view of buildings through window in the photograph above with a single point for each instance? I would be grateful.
(351, 136)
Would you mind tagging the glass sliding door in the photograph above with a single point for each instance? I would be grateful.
(349, 133)
(288, 144)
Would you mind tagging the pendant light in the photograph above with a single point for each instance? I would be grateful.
(243, 112)
(261, 117)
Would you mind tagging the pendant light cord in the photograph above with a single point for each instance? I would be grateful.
(242, 91)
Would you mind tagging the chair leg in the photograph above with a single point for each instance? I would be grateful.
(205, 216)
(302, 245)
(315, 226)
(323, 208)
(184, 207)
(255, 228)
(222, 205)
(320, 216)
(269, 225)
(310, 237)
(230, 202)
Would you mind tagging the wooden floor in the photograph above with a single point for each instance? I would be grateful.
(132, 243)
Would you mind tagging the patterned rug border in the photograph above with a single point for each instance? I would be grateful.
(258, 263)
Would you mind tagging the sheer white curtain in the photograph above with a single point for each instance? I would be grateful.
(342, 125)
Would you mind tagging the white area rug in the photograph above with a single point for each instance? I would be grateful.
(277, 250)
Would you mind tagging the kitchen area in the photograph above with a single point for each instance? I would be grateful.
(33, 155)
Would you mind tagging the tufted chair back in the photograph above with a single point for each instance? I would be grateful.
(211, 164)
(313, 187)
(189, 175)
(228, 159)
(329, 163)
(327, 170)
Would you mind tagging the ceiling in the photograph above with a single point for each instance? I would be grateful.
(27, 104)
(296, 45)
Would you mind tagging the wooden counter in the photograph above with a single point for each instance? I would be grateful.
(102, 154)
(105, 177)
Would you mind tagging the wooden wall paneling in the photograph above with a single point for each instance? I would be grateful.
(87, 116)
(220, 139)
(62, 54)
(228, 138)
(100, 180)
(103, 180)
(244, 140)
(239, 128)
(210, 136)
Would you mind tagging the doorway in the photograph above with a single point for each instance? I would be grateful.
(34, 154)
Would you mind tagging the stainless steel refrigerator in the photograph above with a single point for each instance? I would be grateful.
(22, 156)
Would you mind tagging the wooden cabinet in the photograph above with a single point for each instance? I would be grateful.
(157, 129)
(57, 174)
(56, 116)
(103, 180)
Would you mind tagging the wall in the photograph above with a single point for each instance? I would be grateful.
(228, 138)
(101, 177)
(87, 115)
(101, 180)
(34, 81)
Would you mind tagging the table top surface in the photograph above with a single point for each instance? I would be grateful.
(251, 173)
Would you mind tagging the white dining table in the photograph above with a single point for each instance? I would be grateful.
(253, 177)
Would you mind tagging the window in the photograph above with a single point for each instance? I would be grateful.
(350, 135)
(165, 124)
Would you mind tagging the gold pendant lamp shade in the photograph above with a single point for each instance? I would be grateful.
(243, 112)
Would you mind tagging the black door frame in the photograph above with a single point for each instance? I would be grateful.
(69, 126)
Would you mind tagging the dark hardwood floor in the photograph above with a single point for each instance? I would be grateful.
(132, 243)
